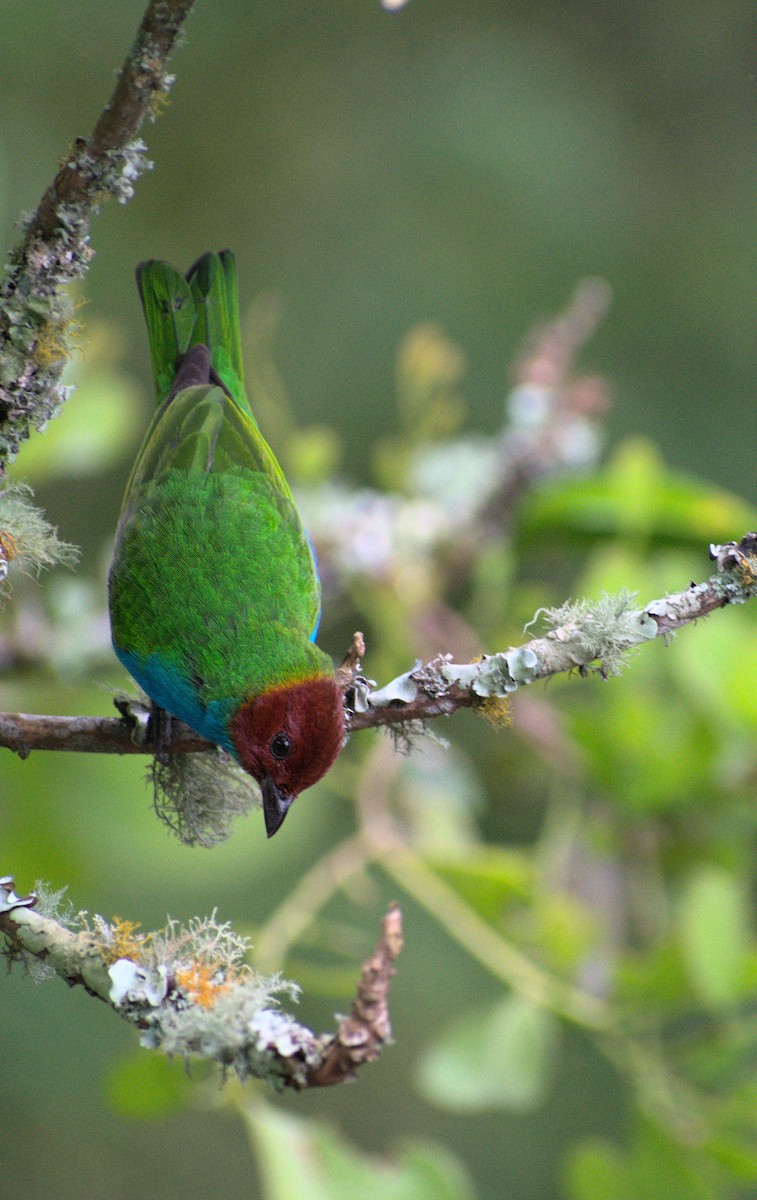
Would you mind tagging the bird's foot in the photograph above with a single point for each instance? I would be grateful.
(160, 733)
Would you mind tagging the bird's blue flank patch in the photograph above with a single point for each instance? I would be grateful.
(314, 634)
(167, 687)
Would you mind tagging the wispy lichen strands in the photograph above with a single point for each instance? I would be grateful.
(26, 538)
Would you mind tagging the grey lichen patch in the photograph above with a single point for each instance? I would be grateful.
(198, 796)
(737, 569)
(495, 674)
(682, 607)
(122, 169)
(37, 334)
(27, 541)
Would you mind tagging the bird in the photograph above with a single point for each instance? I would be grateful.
(213, 589)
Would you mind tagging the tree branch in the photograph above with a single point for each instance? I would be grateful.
(189, 992)
(35, 312)
(362, 1035)
(580, 634)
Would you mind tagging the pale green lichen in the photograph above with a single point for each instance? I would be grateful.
(402, 690)
(192, 995)
(603, 630)
(27, 541)
(55, 904)
(203, 938)
(494, 674)
(199, 796)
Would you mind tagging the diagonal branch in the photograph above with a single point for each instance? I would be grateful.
(190, 994)
(580, 634)
(35, 312)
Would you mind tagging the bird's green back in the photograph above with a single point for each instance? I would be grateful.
(210, 550)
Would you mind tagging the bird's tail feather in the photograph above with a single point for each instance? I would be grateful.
(200, 308)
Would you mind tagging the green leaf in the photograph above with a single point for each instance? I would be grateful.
(637, 496)
(499, 1057)
(715, 935)
(148, 1085)
(310, 1161)
(594, 1172)
(655, 1167)
(487, 877)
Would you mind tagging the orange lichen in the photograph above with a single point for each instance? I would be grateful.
(203, 983)
(124, 941)
(56, 338)
(8, 546)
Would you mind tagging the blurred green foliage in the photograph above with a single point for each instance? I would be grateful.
(384, 178)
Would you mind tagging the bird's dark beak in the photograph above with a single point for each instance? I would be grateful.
(275, 805)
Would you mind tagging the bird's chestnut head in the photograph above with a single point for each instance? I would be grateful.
(287, 738)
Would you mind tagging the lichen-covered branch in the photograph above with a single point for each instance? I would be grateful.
(581, 636)
(192, 995)
(35, 311)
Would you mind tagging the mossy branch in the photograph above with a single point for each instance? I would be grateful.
(192, 995)
(36, 316)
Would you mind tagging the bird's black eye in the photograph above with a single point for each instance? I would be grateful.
(280, 745)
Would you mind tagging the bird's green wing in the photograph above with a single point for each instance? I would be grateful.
(202, 431)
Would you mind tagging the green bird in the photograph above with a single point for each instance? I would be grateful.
(214, 592)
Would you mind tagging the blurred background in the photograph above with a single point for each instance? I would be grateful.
(464, 165)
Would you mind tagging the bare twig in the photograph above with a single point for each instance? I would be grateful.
(35, 313)
(24, 732)
(554, 415)
(363, 1034)
(579, 635)
(351, 662)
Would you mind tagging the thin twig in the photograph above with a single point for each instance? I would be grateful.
(305, 900)
(363, 1034)
(24, 732)
(484, 943)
